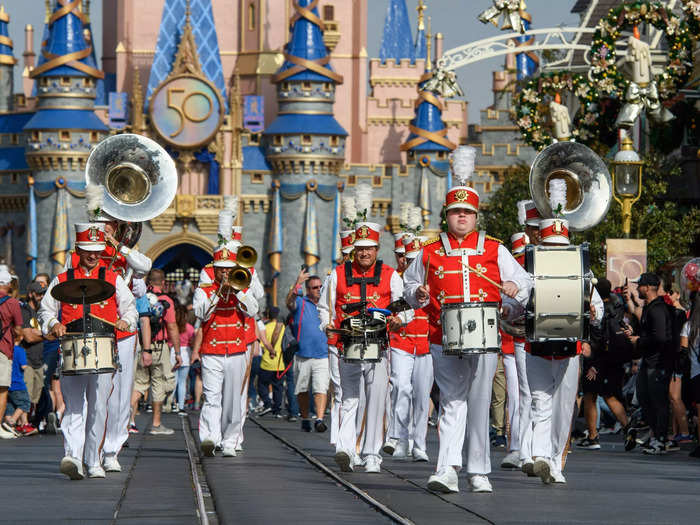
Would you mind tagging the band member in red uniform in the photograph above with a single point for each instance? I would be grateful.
(554, 381)
(347, 238)
(462, 265)
(411, 375)
(364, 280)
(222, 312)
(132, 266)
(86, 395)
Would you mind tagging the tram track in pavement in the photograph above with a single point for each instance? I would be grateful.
(361, 493)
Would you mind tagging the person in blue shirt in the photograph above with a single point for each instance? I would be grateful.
(311, 371)
(18, 403)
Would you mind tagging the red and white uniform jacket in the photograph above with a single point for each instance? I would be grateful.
(444, 261)
(384, 286)
(121, 305)
(223, 319)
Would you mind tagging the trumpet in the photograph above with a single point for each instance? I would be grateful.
(246, 256)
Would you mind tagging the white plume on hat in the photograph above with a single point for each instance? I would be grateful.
(231, 204)
(404, 210)
(363, 200)
(94, 200)
(557, 196)
(348, 211)
(225, 225)
(463, 159)
(415, 218)
(522, 212)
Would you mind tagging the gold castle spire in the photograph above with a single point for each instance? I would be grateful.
(187, 57)
(421, 7)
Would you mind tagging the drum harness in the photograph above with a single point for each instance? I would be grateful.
(362, 305)
(95, 323)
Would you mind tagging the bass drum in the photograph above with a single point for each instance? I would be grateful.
(92, 354)
(559, 304)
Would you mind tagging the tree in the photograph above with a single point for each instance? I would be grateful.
(670, 229)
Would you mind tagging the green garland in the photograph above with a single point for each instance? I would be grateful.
(530, 108)
(604, 73)
(691, 10)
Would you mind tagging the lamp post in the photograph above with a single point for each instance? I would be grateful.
(627, 181)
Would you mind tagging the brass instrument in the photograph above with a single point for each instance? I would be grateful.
(588, 183)
(239, 278)
(139, 177)
(246, 256)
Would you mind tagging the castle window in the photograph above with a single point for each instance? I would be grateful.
(285, 86)
(64, 136)
(256, 178)
(352, 180)
(36, 136)
(43, 81)
(87, 82)
(306, 86)
(334, 140)
(251, 17)
(306, 140)
(65, 81)
(440, 154)
(14, 139)
(14, 178)
(254, 139)
(377, 181)
(326, 86)
(277, 140)
(94, 136)
(328, 12)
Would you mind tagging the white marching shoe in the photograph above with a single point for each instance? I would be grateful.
(372, 464)
(512, 460)
(557, 476)
(96, 472)
(480, 483)
(228, 452)
(444, 480)
(401, 451)
(72, 467)
(390, 445)
(420, 455)
(111, 464)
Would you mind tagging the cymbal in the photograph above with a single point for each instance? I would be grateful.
(94, 291)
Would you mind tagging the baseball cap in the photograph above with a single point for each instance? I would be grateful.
(648, 279)
(5, 277)
(37, 288)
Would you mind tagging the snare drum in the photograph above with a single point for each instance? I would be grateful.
(559, 302)
(368, 341)
(470, 328)
(93, 354)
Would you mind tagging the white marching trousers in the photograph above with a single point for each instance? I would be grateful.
(83, 426)
(412, 380)
(119, 404)
(465, 397)
(244, 397)
(221, 418)
(337, 392)
(376, 382)
(554, 383)
(513, 400)
(525, 401)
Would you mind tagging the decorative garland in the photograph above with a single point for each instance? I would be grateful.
(531, 108)
(607, 80)
(691, 9)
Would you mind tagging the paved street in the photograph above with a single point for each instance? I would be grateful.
(280, 478)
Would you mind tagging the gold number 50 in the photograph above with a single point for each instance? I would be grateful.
(182, 111)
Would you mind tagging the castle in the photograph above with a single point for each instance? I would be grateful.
(281, 107)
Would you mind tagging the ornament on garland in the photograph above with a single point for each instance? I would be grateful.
(532, 108)
(444, 83)
(608, 80)
(691, 9)
(511, 12)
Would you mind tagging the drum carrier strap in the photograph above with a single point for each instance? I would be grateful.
(363, 281)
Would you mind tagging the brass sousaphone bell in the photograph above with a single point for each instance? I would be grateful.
(240, 276)
(588, 183)
(139, 178)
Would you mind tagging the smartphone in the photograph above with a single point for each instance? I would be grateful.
(304, 267)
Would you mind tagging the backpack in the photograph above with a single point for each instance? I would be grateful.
(2, 328)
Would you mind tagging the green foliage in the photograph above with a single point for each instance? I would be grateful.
(670, 229)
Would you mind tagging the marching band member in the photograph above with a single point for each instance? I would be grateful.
(222, 312)
(86, 395)
(364, 280)
(529, 217)
(441, 274)
(411, 375)
(553, 381)
(347, 238)
(133, 266)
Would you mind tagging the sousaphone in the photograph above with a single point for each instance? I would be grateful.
(139, 177)
(588, 183)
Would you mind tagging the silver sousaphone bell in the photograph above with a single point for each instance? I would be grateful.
(139, 177)
(588, 183)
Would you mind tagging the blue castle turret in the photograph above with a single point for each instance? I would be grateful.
(62, 132)
(305, 145)
(397, 42)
